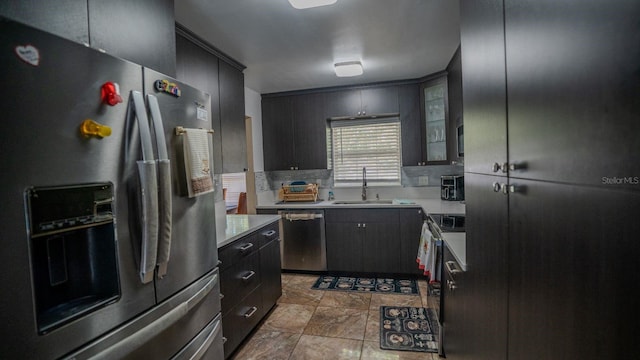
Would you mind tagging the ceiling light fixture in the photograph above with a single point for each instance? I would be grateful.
(305, 4)
(348, 68)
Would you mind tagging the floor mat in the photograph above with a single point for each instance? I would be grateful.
(385, 285)
(408, 329)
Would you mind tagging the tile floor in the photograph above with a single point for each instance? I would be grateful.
(314, 324)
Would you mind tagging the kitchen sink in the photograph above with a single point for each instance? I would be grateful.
(359, 202)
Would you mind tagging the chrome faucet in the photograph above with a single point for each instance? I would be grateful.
(364, 183)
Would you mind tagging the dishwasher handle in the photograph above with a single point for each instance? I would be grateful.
(302, 216)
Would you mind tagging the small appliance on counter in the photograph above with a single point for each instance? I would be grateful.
(452, 187)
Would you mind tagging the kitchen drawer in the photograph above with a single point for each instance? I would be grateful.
(242, 318)
(269, 233)
(238, 250)
(361, 215)
(239, 280)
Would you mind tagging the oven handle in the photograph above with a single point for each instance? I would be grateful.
(452, 267)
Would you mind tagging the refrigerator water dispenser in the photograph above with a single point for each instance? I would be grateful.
(73, 251)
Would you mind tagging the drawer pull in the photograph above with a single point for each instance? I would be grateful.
(219, 262)
(251, 312)
(269, 233)
(224, 339)
(221, 296)
(246, 247)
(249, 275)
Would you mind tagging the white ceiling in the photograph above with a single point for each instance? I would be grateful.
(288, 49)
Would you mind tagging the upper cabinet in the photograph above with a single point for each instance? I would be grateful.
(435, 109)
(362, 102)
(294, 132)
(66, 18)
(483, 88)
(232, 125)
(201, 66)
(277, 133)
(413, 148)
(138, 31)
(309, 131)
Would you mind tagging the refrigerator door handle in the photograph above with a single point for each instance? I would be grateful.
(148, 192)
(129, 344)
(164, 189)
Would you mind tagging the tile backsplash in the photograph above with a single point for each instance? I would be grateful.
(414, 179)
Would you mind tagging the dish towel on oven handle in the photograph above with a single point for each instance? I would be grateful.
(198, 164)
(426, 257)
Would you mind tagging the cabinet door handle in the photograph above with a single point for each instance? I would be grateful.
(250, 312)
(245, 247)
(249, 275)
(364, 225)
(221, 296)
(269, 233)
(224, 339)
(497, 167)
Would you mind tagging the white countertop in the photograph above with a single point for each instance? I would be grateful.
(457, 244)
(455, 241)
(436, 206)
(238, 226)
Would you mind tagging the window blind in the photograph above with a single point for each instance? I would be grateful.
(373, 144)
(235, 183)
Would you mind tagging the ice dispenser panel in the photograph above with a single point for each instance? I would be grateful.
(73, 251)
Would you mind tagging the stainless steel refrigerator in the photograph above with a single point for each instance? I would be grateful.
(104, 253)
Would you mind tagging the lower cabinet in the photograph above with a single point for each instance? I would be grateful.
(363, 240)
(411, 221)
(249, 282)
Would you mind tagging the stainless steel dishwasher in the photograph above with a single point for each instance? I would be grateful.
(303, 244)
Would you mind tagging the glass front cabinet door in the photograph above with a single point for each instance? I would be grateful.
(435, 110)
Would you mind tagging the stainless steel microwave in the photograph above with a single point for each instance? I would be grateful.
(452, 187)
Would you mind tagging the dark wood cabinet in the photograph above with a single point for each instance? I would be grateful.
(277, 133)
(270, 260)
(199, 68)
(434, 103)
(413, 146)
(362, 102)
(294, 132)
(344, 246)
(138, 31)
(577, 122)
(411, 221)
(198, 65)
(483, 86)
(455, 297)
(232, 124)
(249, 281)
(556, 94)
(309, 131)
(66, 18)
(486, 225)
(363, 240)
(454, 87)
(573, 253)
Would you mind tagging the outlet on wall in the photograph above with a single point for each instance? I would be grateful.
(423, 180)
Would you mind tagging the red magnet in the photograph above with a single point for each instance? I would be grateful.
(110, 93)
